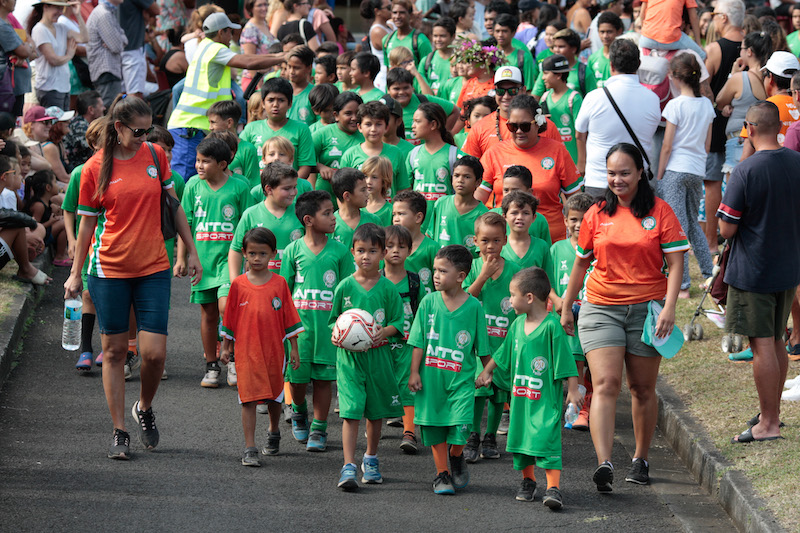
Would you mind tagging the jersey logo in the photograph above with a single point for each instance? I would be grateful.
(152, 172)
(442, 174)
(347, 302)
(303, 112)
(296, 234)
(505, 305)
(244, 303)
(649, 223)
(396, 346)
(276, 303)
(469, 241)
(199, 212)
(425, 275)
(548, 163)
(431, 319)
(228, 211)
(329, 278)
(463, 338)
(395, 399)
(563, 264)
(565, 119)
(334, 140)
(539, 365)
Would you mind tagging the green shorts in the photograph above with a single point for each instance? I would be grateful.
(494, 394)
(758, 315)
(204, 296)
(522, 461)
(433, 435)
(609, 326)
(401, 355)
(367, 385)
(308, 372)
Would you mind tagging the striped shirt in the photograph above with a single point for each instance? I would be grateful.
(106, 41)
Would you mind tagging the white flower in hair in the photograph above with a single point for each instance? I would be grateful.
(540, 119)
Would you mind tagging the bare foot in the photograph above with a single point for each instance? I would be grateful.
(684, 294)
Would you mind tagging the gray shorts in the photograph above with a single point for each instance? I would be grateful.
(610, 326)
(714, 163)
(758, 315)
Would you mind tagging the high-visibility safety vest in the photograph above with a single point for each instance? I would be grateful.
(198, 94)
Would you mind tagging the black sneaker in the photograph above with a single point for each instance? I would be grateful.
(409, 443)
(603, 477)
(146, 425)
(639, 472)
(489, 447)
(472, 449)
(395, 422)
(443, 484)
(526, 490)
(458, 469)
(120, 446)
(552, 499)
(273, 443)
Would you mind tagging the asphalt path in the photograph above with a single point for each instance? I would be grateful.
(54, 475)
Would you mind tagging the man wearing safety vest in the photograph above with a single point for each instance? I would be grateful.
(208, 80)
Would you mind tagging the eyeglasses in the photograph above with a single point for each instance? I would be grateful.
(512, 91)
(525, 127)
(138, 132)
(746, 123)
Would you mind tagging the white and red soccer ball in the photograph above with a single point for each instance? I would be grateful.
(354, 330)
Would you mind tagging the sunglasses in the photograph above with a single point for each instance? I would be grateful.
(746, 123)
(512, 91)
(525, 127)
(138, 132)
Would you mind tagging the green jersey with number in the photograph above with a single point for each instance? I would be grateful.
(286, 229)
(294, 131)
(301, 107)
(245, 162)
(431, 174)
(535, 364)
(539, 227)
(344, 233)
(213, 217)
(451, 343)
(355, 157)
(312, 279)
(538, 254)
(421, 262)
(448, 226)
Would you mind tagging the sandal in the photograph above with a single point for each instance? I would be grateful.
(84, 362)
(756, 419)
(62, 262)
(747, 436)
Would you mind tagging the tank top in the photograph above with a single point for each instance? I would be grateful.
(172, 78)
(378, 53)
(740, 106)
(730, 53)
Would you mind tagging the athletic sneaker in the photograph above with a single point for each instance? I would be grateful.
(98, 361)
(273, 443)
(443, 484)
(84, 363)
(232, 380)
(395, 422)
(743, 356)
(347, 478)
(639, 472)
(526, 490)
(164, 374)
(300, 427)
(287, 413)
(552, 499)
(502, 429)
(250, 457)
(211, 379)
(472, 449)
(409, 443)
(603, 477)
(489, 447)
(460, 477)
(146, 426)
(120, 446)
(263, 409)
(317, 441)
(372, 471)
(132, 362)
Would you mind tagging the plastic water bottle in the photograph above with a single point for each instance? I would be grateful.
(571, 414)
(71, 334)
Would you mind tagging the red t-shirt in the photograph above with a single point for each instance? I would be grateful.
(483, 135)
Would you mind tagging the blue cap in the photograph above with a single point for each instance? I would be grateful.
(667, 346)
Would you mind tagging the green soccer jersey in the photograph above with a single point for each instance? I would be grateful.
(70, 201)
(384, 214)
(460, 138)
(413, 105)
(401, 351)
(286, 229)
(563, 114)
(600, 65)
(538, 255)
(330, 144)
(563, 256)
(301, 107)
(573, 81)
(544, 54)
(438, 73)
(793, 40)
(405, 148)
(382, 301)
(535, 364)
(450, 89)
(431, 173)
(315, 127)
(421, 262)
(539, 227)
(421, 49)
(245, 162)
(522, 59)
(295, 132)
(448, 226)
(371, 95)
(451, 342)
(355, 156)
(312, 279)
(177, 182)
(344, 233)
(303, 185)
(213, 217)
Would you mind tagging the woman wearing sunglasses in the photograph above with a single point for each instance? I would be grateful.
(120, 202)
(548, 160)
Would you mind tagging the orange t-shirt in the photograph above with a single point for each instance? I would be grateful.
(483, 135)
(788, 113)
(127, 242)
(474, 89)
(629, 265)
(663, 19)
(553, 173)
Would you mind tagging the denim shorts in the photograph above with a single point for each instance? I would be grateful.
(149, 296)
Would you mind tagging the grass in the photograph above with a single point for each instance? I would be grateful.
(722, 396)
(8, 289)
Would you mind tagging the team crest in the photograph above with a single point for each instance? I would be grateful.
(152, 172)
(442, 174)
(648, 223)
(505, 305)
(303, 112)
(425, 275)
(463, 338)
(379, 316)
(565, 119)
(548, 163)
(276, 303)
(469, 241)
(228, 212)
(539, 365)
(296, 234)
(407, 309)
(431, 320)
(329, 279)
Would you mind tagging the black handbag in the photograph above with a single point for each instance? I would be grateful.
(169, 204)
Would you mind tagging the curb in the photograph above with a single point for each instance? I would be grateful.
(729, 487)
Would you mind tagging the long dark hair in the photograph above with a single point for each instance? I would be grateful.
(36, 187)
(125, 109)
(434, 113)
(35, 16)
(644, 200)
(685, 68)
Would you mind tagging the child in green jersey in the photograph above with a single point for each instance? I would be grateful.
(343, 73)
(563, 254)
(398, 248)
(313, 266)
(535, 357)
(448, 335)
(366, 380)
(232, 140)
(399, 85)
(224, 116)
(364, 68)
(522, 248)
(321, 99)
(609, 27)
(488, 281)
(299, 68)
(453, 218)
(395, 130)
(325, 70)
(213, 203)
(408, 210)
(567, 43)
(279, 149)
(519, 178)
(350, 187)
(332, 141)
(378, 170)
(561, 102)
(435, 67)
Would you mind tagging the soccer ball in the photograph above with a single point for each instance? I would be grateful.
(354, 330)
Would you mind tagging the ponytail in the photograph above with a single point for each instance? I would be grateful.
(434, 113)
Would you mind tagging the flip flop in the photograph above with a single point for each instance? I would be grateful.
(747, 436)
(63, 262)
(40, 278)
(85, 361)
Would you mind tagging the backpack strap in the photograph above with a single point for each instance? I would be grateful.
(413, 290)
(520, 59)
(415, 45)
(422, 98)
(570, 102)
(413, 157)
(543, 101)
(452, 156)
(428, 64)
(582, 77)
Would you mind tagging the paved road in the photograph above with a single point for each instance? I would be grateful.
(54, 474)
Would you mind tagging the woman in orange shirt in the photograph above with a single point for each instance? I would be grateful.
(120, 202)
(627, 237)
(549, 161)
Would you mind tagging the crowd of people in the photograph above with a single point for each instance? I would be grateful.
(509, 189)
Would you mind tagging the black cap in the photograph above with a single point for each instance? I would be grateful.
(394, 108)
(555, 63)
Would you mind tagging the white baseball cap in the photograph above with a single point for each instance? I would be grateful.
(218, 21)
(512, 74)
(782, 64)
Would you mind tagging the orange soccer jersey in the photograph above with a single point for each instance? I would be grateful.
(483, 134)
(259, 318)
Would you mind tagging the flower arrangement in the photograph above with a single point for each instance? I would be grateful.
(481, 54)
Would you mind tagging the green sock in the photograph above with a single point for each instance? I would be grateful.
(319, 425)
(493, 418)
(302, 408)
(477, 418)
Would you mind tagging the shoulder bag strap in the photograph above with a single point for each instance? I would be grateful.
(627, 126)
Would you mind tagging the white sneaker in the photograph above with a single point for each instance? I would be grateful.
(792, 395)
(232, 380)
(791, 383)
(164, 374)
(211, 379)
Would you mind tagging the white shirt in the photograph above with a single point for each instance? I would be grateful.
(597, 117)
(692, 116)
(48, 77)
(8, 199)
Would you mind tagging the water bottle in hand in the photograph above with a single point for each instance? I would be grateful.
(71, 334)
(570, 415)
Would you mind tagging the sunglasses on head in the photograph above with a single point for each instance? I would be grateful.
(525, 127)
(512, 91)
(138, 132)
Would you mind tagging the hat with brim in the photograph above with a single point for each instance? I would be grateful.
(512, 74)
(556, 63)
(36, 114)
(667, 346)
(394, 106)
(59, 114)
(782, 64)
(218, 21)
